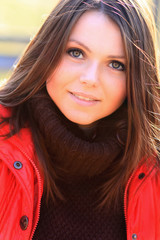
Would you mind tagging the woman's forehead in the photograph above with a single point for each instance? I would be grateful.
(99, 32)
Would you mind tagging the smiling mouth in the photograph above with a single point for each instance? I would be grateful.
(85, 98)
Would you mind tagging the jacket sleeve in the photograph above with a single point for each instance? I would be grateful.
(143, 207)
(16, 193)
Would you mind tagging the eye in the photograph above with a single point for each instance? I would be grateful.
(75, 52)
(117, 65)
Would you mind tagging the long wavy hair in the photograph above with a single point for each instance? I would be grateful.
(136, 22)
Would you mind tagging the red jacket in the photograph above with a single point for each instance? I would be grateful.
(21, 188)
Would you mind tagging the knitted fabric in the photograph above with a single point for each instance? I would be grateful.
(77, 218)
(81, 162)
(71, 150)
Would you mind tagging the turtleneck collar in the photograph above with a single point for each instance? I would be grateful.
(74, 150)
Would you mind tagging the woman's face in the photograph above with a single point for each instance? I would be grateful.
(90, 81)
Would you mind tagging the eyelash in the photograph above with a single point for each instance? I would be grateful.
(121, 66)
(72, 50)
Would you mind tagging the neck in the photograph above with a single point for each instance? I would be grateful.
(89, 130)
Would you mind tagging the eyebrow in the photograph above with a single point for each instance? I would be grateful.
(79, 43)
(84, 46)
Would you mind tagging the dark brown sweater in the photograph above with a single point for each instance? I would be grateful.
(77, 218)
(86, 156)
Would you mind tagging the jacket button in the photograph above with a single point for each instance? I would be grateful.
(141, 176)
(24, 222)
(134, 236)
(17, 165)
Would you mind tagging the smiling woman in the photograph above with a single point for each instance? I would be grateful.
(95, 86)
(80, 134)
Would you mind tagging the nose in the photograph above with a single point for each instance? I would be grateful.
(90, 76)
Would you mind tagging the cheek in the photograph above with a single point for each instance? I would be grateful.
(59, 72)
(52, 85)
(56, 78)
(121, 88)
(121, 91)
(115, 96)
(116, 88)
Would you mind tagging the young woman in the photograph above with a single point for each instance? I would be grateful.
(79, 146)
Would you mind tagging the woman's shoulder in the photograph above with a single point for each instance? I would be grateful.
(146, 177)
(17, 154)
(20, 143)
(20, 179)
(142, 199)
(4, 111)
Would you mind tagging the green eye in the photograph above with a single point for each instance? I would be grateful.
(76, 53)
(117, 65)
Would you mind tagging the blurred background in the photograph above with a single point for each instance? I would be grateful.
(20, 20)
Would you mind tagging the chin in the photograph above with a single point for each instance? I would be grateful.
(84, 123)
(79, 121)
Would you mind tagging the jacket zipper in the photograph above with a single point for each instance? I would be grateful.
(125, 198)
(39, 199)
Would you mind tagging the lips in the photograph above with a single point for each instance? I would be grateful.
(83, 96)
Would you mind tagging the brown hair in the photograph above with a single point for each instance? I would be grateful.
(42, 56)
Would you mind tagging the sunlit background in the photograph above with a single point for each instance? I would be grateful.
(19, 21)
